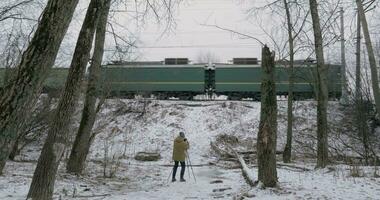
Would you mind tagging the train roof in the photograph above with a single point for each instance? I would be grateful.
(253, 66)
(204, 65)
(155, 66)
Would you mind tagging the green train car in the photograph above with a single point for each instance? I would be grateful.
(162, 81)
(244, 81)
(54, 82)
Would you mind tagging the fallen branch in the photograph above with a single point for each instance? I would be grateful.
(24, 161)
(245, 170)
(255, 152)
(295, 167)
(92, 196)
(168, 165)
(197, 105)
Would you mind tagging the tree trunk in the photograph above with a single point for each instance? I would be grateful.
(361, 109)
(322, 90)
(267, 136)
(358, 87)
(82, 142)
(42, 186)
(344, 98)
(371, 55)
(18, 99)
(287, 155)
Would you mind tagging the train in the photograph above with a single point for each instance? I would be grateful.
(177, 78)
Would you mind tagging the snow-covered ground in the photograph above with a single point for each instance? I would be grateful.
(128, 126)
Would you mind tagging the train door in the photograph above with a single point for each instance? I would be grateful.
(209, 79)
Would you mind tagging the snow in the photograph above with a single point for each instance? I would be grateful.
(201, 189)
(124, 131)
(320, 184)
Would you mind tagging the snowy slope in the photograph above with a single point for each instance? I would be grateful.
(202, 122)
(129, 126)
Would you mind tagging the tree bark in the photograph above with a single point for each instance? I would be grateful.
(267, 136)
(18, 99)
(42, 186)
(344, 98)
(83, 138)
(371, 55)
(322, 90)
(358, 85)
(361, 109)
(287, 155)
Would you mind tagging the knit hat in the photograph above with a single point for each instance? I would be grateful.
(182, 134)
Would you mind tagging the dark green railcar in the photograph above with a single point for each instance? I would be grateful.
(164, 81)
(56, 79)
(244, 81)
(54, 82)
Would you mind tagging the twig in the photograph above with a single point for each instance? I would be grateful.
(235, 32)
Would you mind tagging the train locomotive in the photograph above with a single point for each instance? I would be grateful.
(176, 78)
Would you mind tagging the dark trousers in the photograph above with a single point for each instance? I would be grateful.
(183, 167)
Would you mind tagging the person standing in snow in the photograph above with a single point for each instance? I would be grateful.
(179, 155)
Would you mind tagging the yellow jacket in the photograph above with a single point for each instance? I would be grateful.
(179, 149)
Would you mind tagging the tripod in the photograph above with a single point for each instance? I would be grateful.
(190, 166)
(170, 175)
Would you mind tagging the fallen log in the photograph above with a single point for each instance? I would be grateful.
(92, 196)
(255, 152)
(244, 168)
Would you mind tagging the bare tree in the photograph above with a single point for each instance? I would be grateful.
(322, 90)
(295, 18)
(371, 55)
(18, 98)
(42, 185)
(83, 138)
(125, 41)
(344, 97)
(35, 127)
(13, 10)
(287, 155)
(364, 115)
(267, 136)
(206, 57)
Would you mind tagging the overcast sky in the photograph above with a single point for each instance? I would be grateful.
(189, 38)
